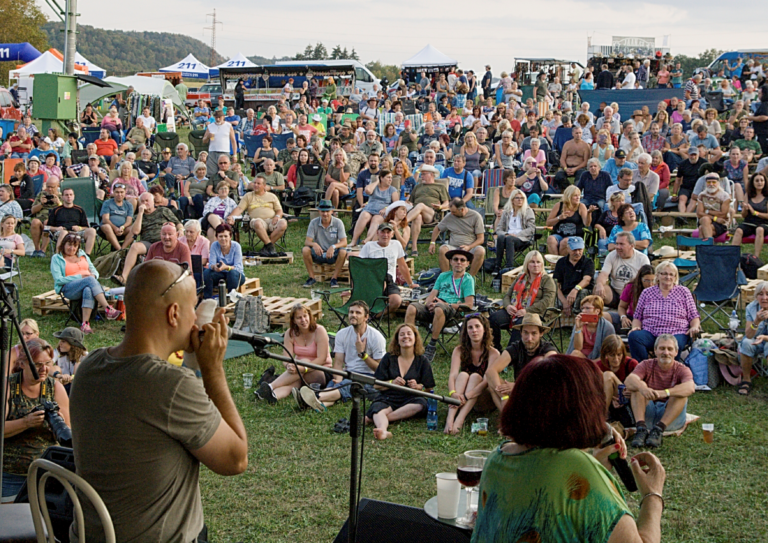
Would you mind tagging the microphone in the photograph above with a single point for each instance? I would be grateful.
(256, 340)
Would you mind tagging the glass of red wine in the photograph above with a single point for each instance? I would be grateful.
(469, 469)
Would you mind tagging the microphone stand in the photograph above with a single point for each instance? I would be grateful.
(8, 312)
(357, 390)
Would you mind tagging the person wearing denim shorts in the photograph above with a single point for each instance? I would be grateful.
(325, 243)
(358, 348)
(660, 389)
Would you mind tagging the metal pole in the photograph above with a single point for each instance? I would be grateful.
(70, 39)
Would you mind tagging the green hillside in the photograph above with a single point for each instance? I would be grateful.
(121, 52)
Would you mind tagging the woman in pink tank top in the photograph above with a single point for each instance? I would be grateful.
(307, 341)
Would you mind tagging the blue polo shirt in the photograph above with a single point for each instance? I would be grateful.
(613, 170)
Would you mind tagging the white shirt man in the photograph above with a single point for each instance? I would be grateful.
(149, 120)
(220, 138)
(621, 266)
(629, 79)
(358, 348)
(395, 255)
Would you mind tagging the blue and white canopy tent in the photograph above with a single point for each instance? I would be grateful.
(238, 61)
(189, 67)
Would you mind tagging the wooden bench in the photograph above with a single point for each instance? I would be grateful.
(748, 292)
(279, 309)
(49, 302)
(287, 259)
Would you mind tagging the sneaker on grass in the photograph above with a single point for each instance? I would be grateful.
(640, 436)
(298, 399)
(308, 395)
(309, 283)
(265, 392)
(654, 438)
(429, 351)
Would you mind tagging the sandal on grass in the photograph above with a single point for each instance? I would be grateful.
(341, 427)
(744, 388)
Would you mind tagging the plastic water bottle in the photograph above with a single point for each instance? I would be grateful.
(431, 414)
(496, 283)
(733, 321)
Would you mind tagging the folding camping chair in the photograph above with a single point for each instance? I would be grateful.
(279, 140)
(492, 178)
(85, 197)
(310, 177)
(166, 139)
(367, 277)
(685, 264)
(90, 134)
(251, 144)
(8, 273)
(195, 138)
(720, 277)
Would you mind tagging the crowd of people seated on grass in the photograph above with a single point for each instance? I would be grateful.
(402, 174)
(403, 178)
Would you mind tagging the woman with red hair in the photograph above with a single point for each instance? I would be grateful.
(543, 485)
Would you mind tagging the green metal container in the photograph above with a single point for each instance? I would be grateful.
(55, 97)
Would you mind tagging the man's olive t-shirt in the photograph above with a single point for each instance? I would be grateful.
(134, 421)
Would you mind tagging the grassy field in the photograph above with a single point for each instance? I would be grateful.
(297, 479)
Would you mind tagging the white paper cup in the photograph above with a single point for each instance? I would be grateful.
(448, 489)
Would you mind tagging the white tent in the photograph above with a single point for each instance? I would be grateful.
(143, 85)
(47, 63)
(238, 61)
(189, 67)
(93, 70)
(429, 57)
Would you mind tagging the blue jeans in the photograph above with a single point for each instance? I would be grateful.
(655, 410)
(323, 258)
(233, 278)
(641, 341)
(12, 484)
(196, 202)
(344, 387)
(590, 201)
(86, 289)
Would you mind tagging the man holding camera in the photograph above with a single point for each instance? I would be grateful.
(71, 218)
(141, 450)
(46, 200)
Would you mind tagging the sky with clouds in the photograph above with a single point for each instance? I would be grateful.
(474, 33)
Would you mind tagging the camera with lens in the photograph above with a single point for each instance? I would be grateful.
(59, 427)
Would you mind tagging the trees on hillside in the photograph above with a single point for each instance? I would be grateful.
(22, 22)
(319, 52)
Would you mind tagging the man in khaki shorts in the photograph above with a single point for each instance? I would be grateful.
(265, 213)
(467, 232)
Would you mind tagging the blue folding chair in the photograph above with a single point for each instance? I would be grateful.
(720, 277)
(279, 140)
(686, 264)
(90, 134)
(252, 143)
